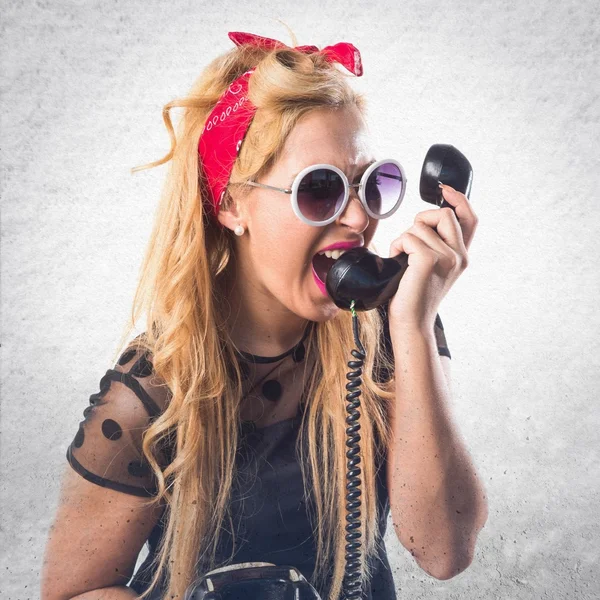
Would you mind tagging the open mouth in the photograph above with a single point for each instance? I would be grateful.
(321, 265)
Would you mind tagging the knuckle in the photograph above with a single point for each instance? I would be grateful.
(432, 258)
(461, 261)
(454, 260)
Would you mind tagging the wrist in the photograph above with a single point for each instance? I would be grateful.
(408, 333)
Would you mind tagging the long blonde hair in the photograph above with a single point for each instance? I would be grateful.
(179, 291)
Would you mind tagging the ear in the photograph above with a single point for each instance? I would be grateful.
(230, 214)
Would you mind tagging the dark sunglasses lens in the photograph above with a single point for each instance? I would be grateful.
(384, 188)
(320, 194)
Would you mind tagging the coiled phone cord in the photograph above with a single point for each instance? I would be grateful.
(351, 583)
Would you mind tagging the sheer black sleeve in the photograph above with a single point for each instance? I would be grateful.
(440, 337)
(107, 449)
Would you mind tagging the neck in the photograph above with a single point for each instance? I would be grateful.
(258, 323)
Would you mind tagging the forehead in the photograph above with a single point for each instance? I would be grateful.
(334, 136)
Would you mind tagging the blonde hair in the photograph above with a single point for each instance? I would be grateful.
(193, 356)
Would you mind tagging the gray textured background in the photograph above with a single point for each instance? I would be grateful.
(514, 87)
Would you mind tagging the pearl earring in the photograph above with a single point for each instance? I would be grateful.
(239, 230)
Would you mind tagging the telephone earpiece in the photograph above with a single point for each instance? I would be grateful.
(370, 280)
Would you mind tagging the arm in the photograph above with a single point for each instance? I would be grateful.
(116, 592)
(438, 503)
(94, 542)
(104, 516)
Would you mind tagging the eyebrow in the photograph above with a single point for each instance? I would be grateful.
(358, 175)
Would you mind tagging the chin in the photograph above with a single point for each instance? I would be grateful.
(326, 312)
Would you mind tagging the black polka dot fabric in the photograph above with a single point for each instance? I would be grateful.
(139, 468)
(440, 337)
(111, 429)
(142, 367)
(272, 390)
(298, 354)
(126, 356)
(268, 506)
(107, 448)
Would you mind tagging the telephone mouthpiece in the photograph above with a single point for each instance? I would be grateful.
(364, 277)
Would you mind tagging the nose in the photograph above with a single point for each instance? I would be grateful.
(354, 215)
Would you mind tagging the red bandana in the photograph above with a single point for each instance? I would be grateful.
(226, 126)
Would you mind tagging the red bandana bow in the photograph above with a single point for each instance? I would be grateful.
(226, 126)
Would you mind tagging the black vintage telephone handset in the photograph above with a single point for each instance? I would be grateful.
(358, 280)
(369, 280)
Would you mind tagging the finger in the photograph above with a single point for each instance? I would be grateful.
(443, 252)
(459, 201)
(463, 209)
(412, 245)
(443, 224)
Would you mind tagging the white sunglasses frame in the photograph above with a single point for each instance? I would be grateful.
(347, 185)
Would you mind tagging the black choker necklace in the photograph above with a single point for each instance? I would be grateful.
(297, 352)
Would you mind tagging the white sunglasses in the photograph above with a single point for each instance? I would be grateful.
(321, 192)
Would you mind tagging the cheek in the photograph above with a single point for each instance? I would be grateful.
(370, 231)
(291, 249)
(285, 242)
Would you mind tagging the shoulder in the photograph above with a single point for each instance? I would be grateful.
(108, 446)
(135, 370)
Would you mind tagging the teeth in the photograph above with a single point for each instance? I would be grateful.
(335, 254)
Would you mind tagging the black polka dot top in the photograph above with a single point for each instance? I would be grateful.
(268, 505)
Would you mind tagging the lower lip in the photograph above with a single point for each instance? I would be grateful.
(320, 284)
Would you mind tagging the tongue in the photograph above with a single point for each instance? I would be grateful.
(322, 264)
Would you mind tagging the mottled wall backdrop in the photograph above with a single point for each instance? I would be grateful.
(513, 85)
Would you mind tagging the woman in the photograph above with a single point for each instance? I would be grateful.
(219, 435)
